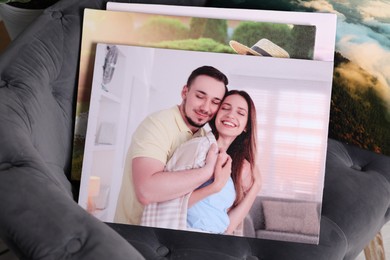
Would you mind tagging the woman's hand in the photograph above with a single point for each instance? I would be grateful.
(211, 160)
(222, 171)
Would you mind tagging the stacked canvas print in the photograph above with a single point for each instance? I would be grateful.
(360, 112)
(139, 64)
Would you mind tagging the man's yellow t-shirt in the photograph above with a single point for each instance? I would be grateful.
(156, 137)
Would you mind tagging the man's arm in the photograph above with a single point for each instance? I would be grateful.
(152, 184)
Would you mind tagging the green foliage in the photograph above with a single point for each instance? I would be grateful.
(201, 44)
(358, 115)
(197, 26)
(298, 40)
(248, 33)
(303, 39)
(215, 29)
(159, 29)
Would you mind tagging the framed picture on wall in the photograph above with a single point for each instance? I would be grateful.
(289, 122)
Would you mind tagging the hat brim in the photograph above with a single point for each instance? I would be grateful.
(242, 49)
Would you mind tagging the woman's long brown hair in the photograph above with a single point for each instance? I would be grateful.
(243, 147)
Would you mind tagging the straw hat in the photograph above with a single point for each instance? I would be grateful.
(264, 47)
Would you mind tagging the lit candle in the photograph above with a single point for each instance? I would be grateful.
(94, 186)
(93, 192)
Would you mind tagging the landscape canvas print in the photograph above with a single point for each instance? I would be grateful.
(303, 36)
(291, 99)
(360, 111)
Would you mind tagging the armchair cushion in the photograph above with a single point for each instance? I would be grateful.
(293, 217)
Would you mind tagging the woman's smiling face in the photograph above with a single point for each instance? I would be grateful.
(232, 116)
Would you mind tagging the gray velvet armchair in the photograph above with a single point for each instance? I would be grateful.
(39, 217)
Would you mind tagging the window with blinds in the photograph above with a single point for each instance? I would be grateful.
(292, 118)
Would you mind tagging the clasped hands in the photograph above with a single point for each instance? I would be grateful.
(219, 165)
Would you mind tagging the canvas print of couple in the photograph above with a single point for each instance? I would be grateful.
(199, 141)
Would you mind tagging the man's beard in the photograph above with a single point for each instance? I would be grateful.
(189, 120)
(192, 123)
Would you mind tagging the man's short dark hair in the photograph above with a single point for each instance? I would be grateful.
(208, 71)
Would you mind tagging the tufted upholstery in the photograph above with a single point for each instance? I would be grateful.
(355, 207)
(39, 218)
